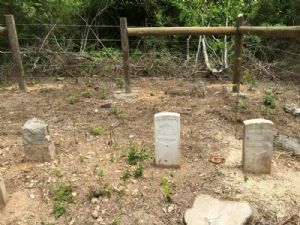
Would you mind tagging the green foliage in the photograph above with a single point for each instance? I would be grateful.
(119, 81)
(62, 196)
(166, 187)
(139, 171)
(107, 52)
(87, 94)
(57, 173)
(250, 79)
(269, 100)
(136, 154)
(126, 174)
(114, 111)
(96, 129)
(72, 99)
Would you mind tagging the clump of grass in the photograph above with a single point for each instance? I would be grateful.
(87, 94)
(57, 173)
(126, 174)
(72, 99)
(81, 158)
(62, 196)
(96, 129)
(113, 111)
(166, 187)
(139, 171)
(136, 154)
(119, 81)
(269, 100)
(98, 172)
(242, 103)
(103, 94)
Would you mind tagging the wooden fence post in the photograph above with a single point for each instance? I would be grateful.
(125, 49)
(15, 49)
(238, 55)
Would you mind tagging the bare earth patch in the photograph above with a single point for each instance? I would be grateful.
(210, 127)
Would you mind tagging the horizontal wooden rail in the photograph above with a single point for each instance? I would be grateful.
(159, 31)
(2, 30)
(285, 32)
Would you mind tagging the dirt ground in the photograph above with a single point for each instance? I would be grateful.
(210, 126)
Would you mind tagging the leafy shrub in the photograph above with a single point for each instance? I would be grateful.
(139, 171)
(165, 184)
(95, 129)
(87, 94)
(269, 100)
(136, 154)
(72, 99)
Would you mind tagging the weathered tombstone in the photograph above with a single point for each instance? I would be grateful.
(258, 146)
(3, 195)
(209, 210)
(37, 142)
(167, 139)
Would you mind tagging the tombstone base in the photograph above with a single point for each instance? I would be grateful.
(160, 166)
(39, 153)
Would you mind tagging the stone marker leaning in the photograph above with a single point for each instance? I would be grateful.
(258, 146)
(167, 139)
(37, 142)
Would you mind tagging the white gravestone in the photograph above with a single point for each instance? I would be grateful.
(37, 142)
(3, 195)
(167, 139)
(258, 146)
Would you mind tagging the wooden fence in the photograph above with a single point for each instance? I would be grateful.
(238, 31)
(11, 32)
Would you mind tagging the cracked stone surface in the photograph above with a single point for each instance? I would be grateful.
(208, 210)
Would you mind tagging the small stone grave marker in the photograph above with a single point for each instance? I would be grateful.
(258, 145)
(3, 195)
(37, 142)
(208, 210)
(167, 139)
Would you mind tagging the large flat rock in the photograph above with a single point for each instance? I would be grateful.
(208, 210)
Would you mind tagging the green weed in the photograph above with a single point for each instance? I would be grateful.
(72, 99)
(119, 82)
(95, 129)
(269, 99)
(165, 184)
(87, 94)
(139, 171)
(62, 196)
(136, 154)
(126, 174)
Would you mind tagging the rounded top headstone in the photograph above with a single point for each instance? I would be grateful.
(173, 114)
(35, 131)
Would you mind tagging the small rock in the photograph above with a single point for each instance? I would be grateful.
(106, 106)
(95, 214)
(208, 210)
(97, 208)
(289, 108)
(296, 112)
(289, 143)
(95, 200)
(135, 192)
(171, 208)
(100, 219)
(72, 222)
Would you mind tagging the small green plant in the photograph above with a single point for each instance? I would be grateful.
(117, 219)
(33, 82)
(180, 83)
(98, 172)
(72, 99)
(139, 171)
(119, 82)
(116, 145)
(165, 184)
(113, 111)
(242, 103)
(81, 158)
(62, 196)
(5, 83)
(87, 94)
(269, 100)
(112, 157)
(57, 173)
(103, 94)
(121, 191)
(246, 178)
(126, 174)
(136, 154)
(95, 129)
(250, 79)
